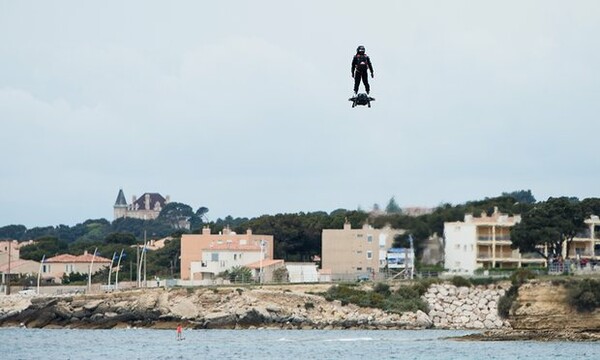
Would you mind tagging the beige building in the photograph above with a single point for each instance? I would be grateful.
(586, 247)
(348, 254)
(56, 267)
(11, 249)
(484, 242)
(146, 207)
(268, 268)
(228, 246)
(19, 268)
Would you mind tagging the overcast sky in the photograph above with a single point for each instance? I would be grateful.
(241, 106)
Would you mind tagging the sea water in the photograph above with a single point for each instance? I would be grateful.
(20, 343)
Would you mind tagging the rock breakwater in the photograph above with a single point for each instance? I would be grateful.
(452, 307)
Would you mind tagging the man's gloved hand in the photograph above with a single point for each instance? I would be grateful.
(352, 75)
(372, 75)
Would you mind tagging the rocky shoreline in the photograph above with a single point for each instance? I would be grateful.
(216, 308)
(540, 312)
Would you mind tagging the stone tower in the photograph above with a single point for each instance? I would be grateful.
(120, 208)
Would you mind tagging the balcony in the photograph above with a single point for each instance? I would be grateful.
(489, 238)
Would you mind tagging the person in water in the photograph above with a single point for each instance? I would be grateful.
(179, 332)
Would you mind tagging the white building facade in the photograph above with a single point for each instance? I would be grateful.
(484, 243)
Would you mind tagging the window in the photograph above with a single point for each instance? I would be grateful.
(369, 238)
(369, 254)
(358, 269)
(214, 257)
(359, 235)
(234, 256)
(358, 252)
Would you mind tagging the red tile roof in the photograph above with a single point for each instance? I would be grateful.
(68, 258)
(16, 264)
(264, 263)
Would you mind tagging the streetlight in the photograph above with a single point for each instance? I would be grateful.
(90, 271)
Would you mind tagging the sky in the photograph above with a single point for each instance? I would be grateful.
(242, 107)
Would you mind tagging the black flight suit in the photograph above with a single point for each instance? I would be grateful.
(360, 64)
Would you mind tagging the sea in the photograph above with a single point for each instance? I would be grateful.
(21, 343)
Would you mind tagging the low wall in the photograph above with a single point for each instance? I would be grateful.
(452, 307)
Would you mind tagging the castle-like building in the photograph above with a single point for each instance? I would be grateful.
(146, 207)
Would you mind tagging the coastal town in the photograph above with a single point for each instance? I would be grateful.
(282, 293)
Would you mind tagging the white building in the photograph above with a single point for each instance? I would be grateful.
(302, 272)
(484, 242)
(221, 257)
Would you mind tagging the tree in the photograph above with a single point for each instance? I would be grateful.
(12, 232)
(522, 196)
(201, 213)
(165, 262)
(281, 275)
(176, 214)
(590, 206)
(552, 224)
(239, 274)
(49, 246)
(392, 207)
(120, 238)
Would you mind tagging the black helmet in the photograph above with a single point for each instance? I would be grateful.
(360, 49)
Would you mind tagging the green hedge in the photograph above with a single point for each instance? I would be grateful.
(406, 298)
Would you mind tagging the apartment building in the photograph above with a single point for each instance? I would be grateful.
(586, 246)
(350, 254)
(217, 258)
(205, 255)
(484, 242)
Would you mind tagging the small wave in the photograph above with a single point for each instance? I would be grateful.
(350, 339)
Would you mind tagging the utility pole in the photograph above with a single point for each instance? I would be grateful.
(118, 268)
(137, 265)
(90, 271)
(144, 256)
(9, 260)
(40, 273)
(112, 260)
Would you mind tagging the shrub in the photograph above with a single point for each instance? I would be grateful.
(459, 281)
(520, 276)
(483, 281)
(422, 285)
(505, 302)
(309, 305)
(406, 298)
(584, 295)
(280, 275)
(383, 289)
